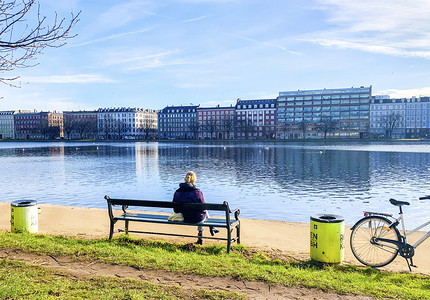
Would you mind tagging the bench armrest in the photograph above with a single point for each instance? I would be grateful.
(236, 213)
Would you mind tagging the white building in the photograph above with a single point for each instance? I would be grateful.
(386, 113)
(126, 123)
(7, 123)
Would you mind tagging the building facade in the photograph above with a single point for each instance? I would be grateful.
(387, 117)
(80, 124)
(38, 125)
(256, 119)
(417, 116)
(178, 122)
(336, 113)
(7, 123)
(216, 122)
(126, 123)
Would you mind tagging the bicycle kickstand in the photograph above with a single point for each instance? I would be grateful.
(410, 264)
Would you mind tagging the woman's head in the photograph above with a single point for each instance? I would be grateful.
(190, 177)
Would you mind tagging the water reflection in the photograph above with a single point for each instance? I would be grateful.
(270, 181)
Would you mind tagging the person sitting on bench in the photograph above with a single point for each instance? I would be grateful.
(189, 193)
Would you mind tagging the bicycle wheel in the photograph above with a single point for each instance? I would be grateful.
(365, 244)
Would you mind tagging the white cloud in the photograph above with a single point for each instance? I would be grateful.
(78, 78)
(408, 93)
(397, 28)
(195, 19)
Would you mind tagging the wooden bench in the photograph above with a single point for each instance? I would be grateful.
(223, 222)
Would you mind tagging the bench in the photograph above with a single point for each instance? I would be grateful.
(148, 217)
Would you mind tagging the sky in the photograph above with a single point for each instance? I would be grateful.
(153, 54)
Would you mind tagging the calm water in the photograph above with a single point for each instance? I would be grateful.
(271, 181)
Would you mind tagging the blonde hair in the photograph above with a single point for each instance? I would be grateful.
(190, 177)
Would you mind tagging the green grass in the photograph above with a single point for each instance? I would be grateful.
(240, 264)
(19, 280)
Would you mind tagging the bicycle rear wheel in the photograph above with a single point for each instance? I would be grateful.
(365, 244)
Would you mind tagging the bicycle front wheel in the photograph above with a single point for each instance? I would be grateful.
(366, 243)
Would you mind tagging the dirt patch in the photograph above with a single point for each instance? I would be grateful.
(254, 290)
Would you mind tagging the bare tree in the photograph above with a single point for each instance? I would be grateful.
(326, 125)
(195, 128)
(21, 39)
(390, 122)
(303, 127)
(211, 127)
(229, 125)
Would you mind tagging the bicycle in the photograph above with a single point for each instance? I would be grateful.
(376, 240)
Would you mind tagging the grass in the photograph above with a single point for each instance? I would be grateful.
(20, 280)
(240, 264)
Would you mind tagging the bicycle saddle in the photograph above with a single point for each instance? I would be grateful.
(398, 203)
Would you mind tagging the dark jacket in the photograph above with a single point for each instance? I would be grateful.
(188, 193)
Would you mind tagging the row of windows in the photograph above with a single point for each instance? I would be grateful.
(324, 102)
(250, 106)
(325, 114)
(332, 96)
(324, 108)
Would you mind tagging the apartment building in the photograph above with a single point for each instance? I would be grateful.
(387, 117)
(178, 122)
(80, 124)
(256, 119)
(7, 123)
(343, 113)
(126, 123)
(216, 122)
(38, 125)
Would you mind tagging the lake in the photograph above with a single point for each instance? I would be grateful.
(266, 180)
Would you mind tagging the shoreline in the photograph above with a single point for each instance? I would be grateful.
(288, 238)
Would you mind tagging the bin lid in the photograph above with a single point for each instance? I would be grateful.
(327, 218)
(23, 203)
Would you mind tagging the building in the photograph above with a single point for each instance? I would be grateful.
(38, 125)
(387, 117)
(338, 113)
(216, 122)
(417, 117)
(256, 119)
(178, 122)
(126, 123)
(7, 123)
(80, 124)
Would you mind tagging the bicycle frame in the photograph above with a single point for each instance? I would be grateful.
(403, 230)
(406, 234)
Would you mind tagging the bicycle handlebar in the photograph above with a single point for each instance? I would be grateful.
(425, 197)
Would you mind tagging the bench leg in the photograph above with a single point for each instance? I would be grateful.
(238, 233)
(126, 226)
(112, 224)
(228, 239)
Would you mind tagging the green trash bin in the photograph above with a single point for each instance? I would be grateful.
(327, 238)
(24, 216)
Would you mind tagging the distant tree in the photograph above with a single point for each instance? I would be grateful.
(248, 128)
(326, 125)
(390, 122)
(303, 127)
(210, 127)
(21, 39)
(195, 128)
(229, 125)
(42, 128)
(68, 127)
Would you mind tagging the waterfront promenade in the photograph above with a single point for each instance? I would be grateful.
(282, 238)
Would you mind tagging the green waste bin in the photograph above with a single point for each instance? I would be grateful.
(24, 216)
(327, 238)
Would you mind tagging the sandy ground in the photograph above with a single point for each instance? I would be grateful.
(291, 239)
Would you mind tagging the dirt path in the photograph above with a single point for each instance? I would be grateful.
(254, 290)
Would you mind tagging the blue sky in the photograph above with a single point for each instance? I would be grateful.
(151, 54)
